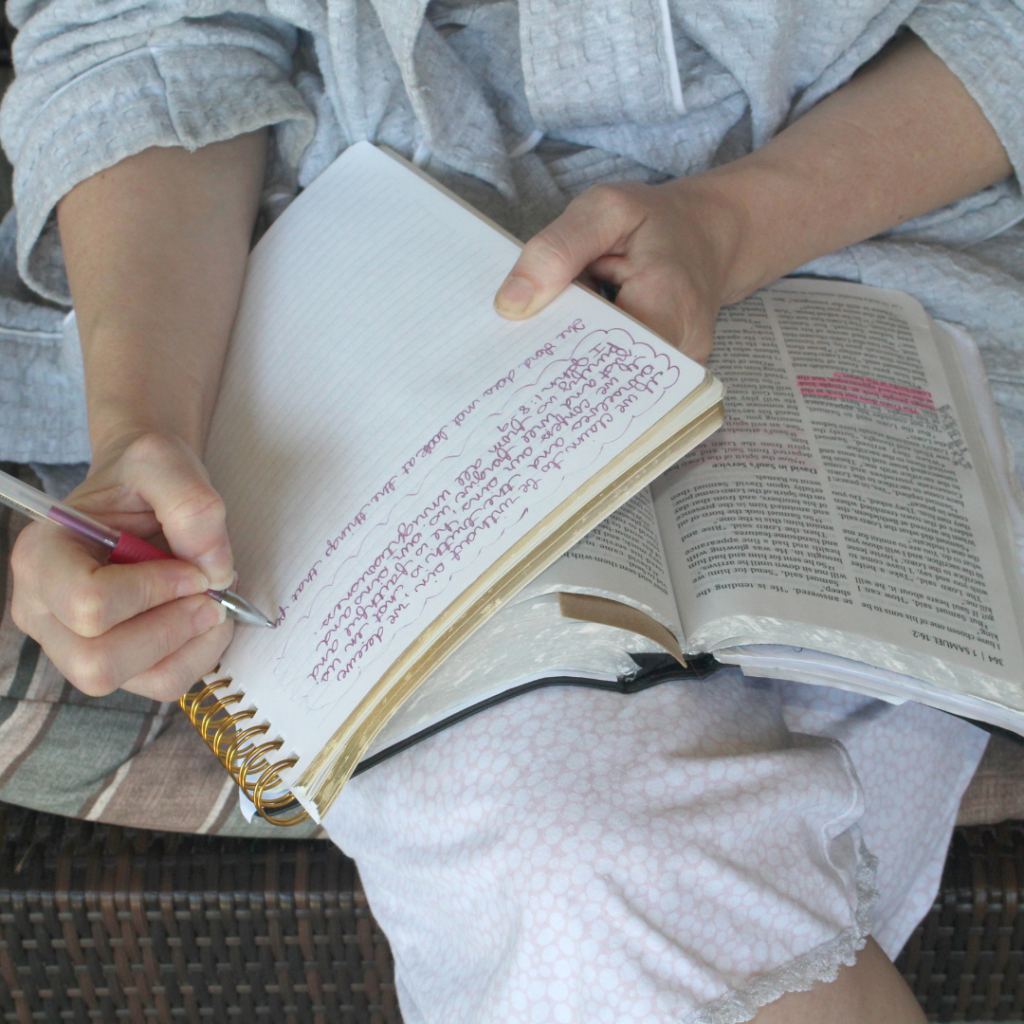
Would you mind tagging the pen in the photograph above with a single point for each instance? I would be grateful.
(123, 547)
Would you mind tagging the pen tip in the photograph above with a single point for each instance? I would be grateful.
(240, 609)
(257, 618)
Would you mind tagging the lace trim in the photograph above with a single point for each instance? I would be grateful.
(801, 974)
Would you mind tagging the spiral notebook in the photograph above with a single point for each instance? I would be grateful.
(398, 461)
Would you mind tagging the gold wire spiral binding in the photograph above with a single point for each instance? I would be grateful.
(240, 750)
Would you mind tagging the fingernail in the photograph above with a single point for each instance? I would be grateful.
(514, 296)
(229, 585)
(194, 584)
(221, 576)
(212, 613)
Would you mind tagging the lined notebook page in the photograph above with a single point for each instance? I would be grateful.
(382, 435)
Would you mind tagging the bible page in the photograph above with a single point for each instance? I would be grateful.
(382, 437)
(843, 507)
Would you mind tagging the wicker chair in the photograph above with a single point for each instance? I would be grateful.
(965, 960)
(104, 924)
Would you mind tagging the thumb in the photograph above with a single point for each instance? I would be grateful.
(595, 224)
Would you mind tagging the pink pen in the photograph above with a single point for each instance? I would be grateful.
(123, 547)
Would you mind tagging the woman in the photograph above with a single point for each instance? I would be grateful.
(750, 152)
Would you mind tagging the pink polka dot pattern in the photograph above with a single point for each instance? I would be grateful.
(677, 855)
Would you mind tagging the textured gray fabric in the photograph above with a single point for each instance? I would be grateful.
(625, 73)
(637, 89)
(42, 409)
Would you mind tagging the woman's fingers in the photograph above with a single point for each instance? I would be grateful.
(170, 678)
(663, 298)
(168, 476)
(87, 596)
(595, 224)
(136, 648)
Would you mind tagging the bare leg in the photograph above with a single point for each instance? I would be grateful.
(870, 992)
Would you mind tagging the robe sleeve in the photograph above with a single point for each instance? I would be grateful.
(97, 81)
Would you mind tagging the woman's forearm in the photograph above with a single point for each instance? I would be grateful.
(155, 249)
(903, 137)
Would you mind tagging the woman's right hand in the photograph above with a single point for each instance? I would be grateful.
(149, 627)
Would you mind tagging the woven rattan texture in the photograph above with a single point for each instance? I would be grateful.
(105, 924)
(965, 961)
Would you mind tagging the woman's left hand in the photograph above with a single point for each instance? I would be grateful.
(668, 249)
(902, 137)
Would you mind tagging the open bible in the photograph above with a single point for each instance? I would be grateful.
(854, 523)
(398, 461)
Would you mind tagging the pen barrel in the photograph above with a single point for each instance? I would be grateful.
(130, 549)
(82, 525)
(32, 502)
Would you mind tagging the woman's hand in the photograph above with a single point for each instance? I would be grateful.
(148, 627)
(668, 250)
